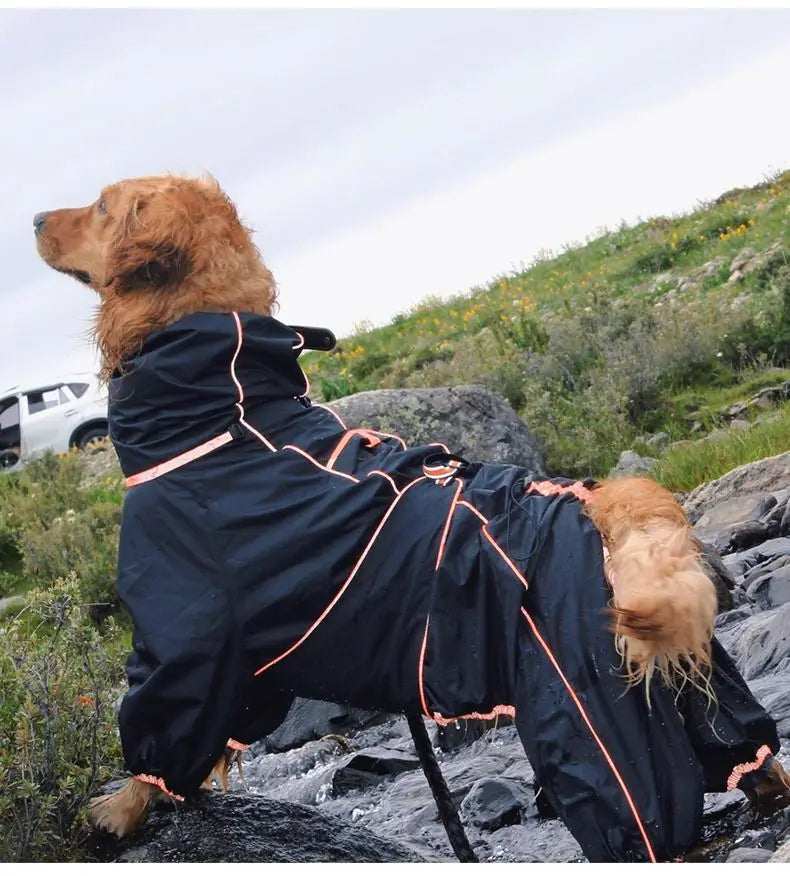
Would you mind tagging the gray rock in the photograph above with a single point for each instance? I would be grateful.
(11, 603)
(748, 534)
(661, 440)
(495, 802)
(471, 421)
(631, 463)
(741, 563)
(782, 854)
(772, 588)
(765, 476)
(761, 643)
(239, 828)
(722, 519)
(749, 856)
(312, 719)
(773, 692)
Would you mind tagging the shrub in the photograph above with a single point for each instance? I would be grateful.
(85, 543)
(59, 677)
(51, 524)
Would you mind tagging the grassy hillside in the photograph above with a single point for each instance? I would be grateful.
(644, 329)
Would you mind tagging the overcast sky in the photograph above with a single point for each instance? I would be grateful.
(381, 156)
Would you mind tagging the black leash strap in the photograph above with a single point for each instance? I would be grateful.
(448, 811)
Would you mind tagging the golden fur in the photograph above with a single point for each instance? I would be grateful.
(159, 248)
(664, 605)
(156, 249)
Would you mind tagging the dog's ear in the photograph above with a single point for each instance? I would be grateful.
(146, 254)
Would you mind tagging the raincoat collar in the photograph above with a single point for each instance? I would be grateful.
(184, 385)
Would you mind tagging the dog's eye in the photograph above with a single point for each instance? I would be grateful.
(102, 206)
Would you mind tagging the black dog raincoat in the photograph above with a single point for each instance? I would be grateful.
(267, 551)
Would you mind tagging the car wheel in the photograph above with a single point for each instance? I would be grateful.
(92, 438)
(8, 459)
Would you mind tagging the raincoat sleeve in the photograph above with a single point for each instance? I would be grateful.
(184, 684)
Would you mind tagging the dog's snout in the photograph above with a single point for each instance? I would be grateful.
(39, 221)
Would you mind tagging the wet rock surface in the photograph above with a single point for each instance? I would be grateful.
(239, 828)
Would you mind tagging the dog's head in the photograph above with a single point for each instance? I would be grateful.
(156, 249)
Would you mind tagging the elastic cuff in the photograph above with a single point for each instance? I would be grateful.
(742, 769)
(160, 783)
(237, 746)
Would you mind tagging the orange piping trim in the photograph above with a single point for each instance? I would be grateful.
(743, 768)
(421, 669)
(177, 461)
(547, 488)
(160, 783)
(341, 444)
(473, 509)
(388, 435)
(317, 622)
(240, 402)
(510, 711)
(458, 488)
(306, 455)
(506, 558)
(595, 736)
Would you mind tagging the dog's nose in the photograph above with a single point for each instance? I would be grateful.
(39, 221)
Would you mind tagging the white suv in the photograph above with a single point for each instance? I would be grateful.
(55, 416)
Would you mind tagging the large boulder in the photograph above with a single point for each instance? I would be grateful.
(764, 476)
(246, 828)
(312, 719)
(472, 421)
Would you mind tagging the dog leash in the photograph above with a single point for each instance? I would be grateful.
(448, 811)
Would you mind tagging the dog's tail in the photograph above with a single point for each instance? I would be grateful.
(663, 605)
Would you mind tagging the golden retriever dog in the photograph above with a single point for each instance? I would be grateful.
(158, 249)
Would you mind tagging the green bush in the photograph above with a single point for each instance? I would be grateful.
(85, 543)
(52, 523)
(59, 678)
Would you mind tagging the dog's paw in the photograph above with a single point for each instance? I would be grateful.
(104, 815)
(123, 811)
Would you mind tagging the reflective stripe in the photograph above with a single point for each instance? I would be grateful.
(547, 488)
(743, 768)
(585, 717)
(319, 620)
(160, 783)
(240, 403)
(177, 461)
(496, 711)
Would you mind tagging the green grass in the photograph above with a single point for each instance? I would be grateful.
(683, 468)
(603, 331)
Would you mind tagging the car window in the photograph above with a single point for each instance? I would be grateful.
(79, 389)
(9, 413)
(42, 399)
